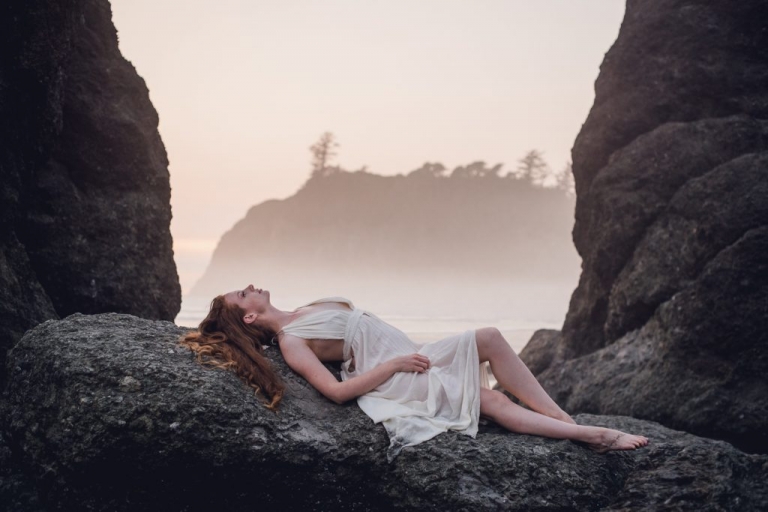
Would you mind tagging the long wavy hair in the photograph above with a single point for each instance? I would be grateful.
(224, 340)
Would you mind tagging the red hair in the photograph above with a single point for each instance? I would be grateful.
(224, 340)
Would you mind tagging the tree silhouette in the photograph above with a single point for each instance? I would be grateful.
(476, 170)
(533, 168)
(322, 153)
(431, 170)
(493, 172)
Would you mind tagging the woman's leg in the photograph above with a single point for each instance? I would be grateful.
(496, 406)
(513, 375)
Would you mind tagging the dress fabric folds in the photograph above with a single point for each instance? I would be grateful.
(413, 407)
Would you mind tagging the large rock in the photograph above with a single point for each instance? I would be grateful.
(699, 364)
(108, 412)
(84, 192)
(671, 172)
(677, 71)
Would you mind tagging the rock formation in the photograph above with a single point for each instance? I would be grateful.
(85, 195)
(404, 227)
(108, 412)
(669, 321)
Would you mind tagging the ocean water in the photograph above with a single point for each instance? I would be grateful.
(420, 328)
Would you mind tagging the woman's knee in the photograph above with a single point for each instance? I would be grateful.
(491, 402)
(488, 339)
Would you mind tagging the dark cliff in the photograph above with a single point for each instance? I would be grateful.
(85, 194)
(670, 318)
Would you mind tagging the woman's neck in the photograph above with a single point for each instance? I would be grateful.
(276, 319)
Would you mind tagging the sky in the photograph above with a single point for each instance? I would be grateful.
(244, 88)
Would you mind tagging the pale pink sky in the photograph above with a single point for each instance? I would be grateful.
(243, 88)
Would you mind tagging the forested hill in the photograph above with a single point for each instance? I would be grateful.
(357, 222)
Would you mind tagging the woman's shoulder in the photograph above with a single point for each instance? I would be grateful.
(330, 299)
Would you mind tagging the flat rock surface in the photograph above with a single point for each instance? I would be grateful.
(108, 412)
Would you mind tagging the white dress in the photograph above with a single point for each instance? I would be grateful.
(413, 407)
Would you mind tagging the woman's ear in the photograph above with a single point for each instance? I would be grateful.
(249, 318)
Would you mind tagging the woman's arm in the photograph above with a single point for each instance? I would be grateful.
(304, 362)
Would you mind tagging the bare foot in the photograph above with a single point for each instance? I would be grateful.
(608, 439)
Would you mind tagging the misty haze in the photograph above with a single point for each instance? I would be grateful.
(434, 251)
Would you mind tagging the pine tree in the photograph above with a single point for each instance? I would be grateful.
(533, 168)
(322, 153)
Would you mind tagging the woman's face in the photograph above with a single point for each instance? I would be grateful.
(252, 300)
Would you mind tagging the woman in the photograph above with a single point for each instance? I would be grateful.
(416, 391)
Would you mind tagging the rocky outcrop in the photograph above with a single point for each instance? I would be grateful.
(681, 92)
(540, 350)
(85, 195)
(669, 319)
(108, 412)
(411, 229)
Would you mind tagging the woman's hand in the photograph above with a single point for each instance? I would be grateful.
(411, 363)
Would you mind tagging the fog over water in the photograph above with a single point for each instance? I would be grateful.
(434, 252)
(428, 309)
